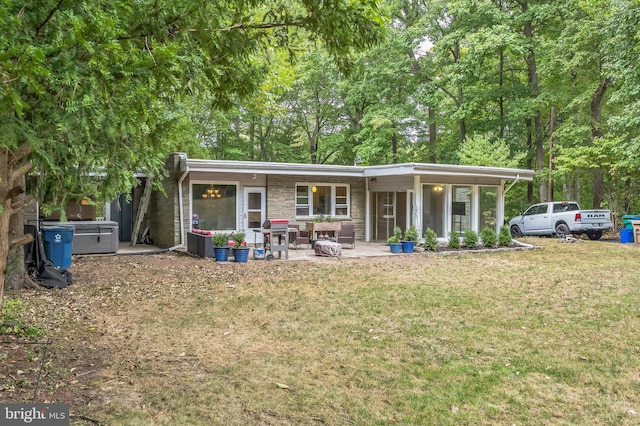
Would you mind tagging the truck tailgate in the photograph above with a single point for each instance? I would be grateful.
(602, 217)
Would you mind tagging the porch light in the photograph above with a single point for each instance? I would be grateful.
(438, 188)
(314, 189)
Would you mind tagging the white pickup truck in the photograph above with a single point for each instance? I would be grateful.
(560, 218)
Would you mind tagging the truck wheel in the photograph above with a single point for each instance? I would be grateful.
(594, 235)
(515, 232)
(562, 230)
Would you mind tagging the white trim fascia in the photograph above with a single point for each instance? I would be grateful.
(299, 169)
(224, 166)
(447, 170)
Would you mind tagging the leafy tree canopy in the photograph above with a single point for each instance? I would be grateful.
(109, 86)
(480, 150)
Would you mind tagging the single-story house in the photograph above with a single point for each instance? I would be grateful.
(228, 196)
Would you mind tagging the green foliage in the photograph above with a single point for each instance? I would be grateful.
(238, 238)
(488, 237)
(396, 237)
(480, 150)
(12, 323)
(112, 87)
(454, 240)
(393, 240)
(504, 237)
(411, 234)
(430, 240)
(322, 218)
(220, 239)
(470, 239)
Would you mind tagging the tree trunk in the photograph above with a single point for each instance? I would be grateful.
(596, 132)
(17, 277)
(12, 202)
(530, 199)
(432, 133)
(394, 148)
(501, 98)
(535, 92)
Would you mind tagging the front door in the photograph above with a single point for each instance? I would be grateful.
(255, 213)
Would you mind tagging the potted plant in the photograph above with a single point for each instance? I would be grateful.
(240, 249)
(410, 239)
(221, 246)
(394, 241)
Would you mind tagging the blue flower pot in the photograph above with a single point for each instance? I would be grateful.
(221, 253)
(395, 248)
(407, 246)
(241, 254)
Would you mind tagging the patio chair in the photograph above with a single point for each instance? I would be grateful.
(301, 236)
(347, 234)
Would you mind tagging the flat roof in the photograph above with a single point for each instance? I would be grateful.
(405, 169)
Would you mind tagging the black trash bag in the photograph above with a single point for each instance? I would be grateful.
(51, 277)
(38, 267)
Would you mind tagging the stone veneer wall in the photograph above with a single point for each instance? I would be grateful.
(281, 198)
(164, 208)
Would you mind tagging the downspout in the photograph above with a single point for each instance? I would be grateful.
(510, 186)
(367, 211)
(181, 214)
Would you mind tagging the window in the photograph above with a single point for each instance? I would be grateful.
(214, 206)
(488, 207)
(302, 201)
(537, 209)
(461, 208)
(321, 199)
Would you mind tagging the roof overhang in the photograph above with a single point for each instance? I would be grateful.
(426, 169)
(405, 169)
(225, 166)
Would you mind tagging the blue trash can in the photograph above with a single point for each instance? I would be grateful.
(626, 235)
(58, 243)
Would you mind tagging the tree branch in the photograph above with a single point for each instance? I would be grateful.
(22, 170)
(48, 18)
(16, 206)
(453, 97)
(19, 153)
(18, 242)
(243, 26)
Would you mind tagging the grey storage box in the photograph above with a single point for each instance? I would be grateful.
(93, 237)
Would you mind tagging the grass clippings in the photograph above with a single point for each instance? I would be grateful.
(525, 337)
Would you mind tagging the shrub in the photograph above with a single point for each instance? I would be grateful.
(393, 240)
(430, 240)
(504, 238)
(238, 239)
(488, 237)
(454, 240)
(396, 237)
(220, 239)
(411, 234)
(470, 239)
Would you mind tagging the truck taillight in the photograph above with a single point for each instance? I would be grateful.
(578, 217)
